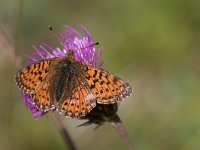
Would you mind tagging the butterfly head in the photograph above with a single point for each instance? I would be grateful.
(70, 54)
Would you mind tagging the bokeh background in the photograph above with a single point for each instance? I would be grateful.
(154, 45)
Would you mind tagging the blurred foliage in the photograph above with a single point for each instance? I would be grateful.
(154, 45)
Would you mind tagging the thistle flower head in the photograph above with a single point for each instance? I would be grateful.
(101, 114)
(84, 51)
(83, 47)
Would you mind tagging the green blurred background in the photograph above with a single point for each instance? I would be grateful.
(154, 45)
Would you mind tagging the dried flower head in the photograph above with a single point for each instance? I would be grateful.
(101, 114)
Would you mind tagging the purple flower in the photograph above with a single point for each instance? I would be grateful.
(83, 47)
(84, 51)
(29, 103)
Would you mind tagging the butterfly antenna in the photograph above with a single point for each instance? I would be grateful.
(97, 43)
(50, 28)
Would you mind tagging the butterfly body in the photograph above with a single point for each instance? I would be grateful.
(72, 87)
(60, 80)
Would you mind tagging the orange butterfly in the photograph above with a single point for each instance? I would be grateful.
(72, 87)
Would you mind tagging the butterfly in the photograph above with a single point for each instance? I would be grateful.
(70, 86)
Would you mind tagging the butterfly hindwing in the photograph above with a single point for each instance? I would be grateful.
(107, 87)
(42, 98)
(81, 102)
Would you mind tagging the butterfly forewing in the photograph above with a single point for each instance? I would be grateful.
(42, 98)
(107, 87)
(34, 81)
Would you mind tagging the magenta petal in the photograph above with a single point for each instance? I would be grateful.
(86, 32)
(83, 46)
(29, 103)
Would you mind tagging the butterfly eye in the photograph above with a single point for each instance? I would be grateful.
(73, 71)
